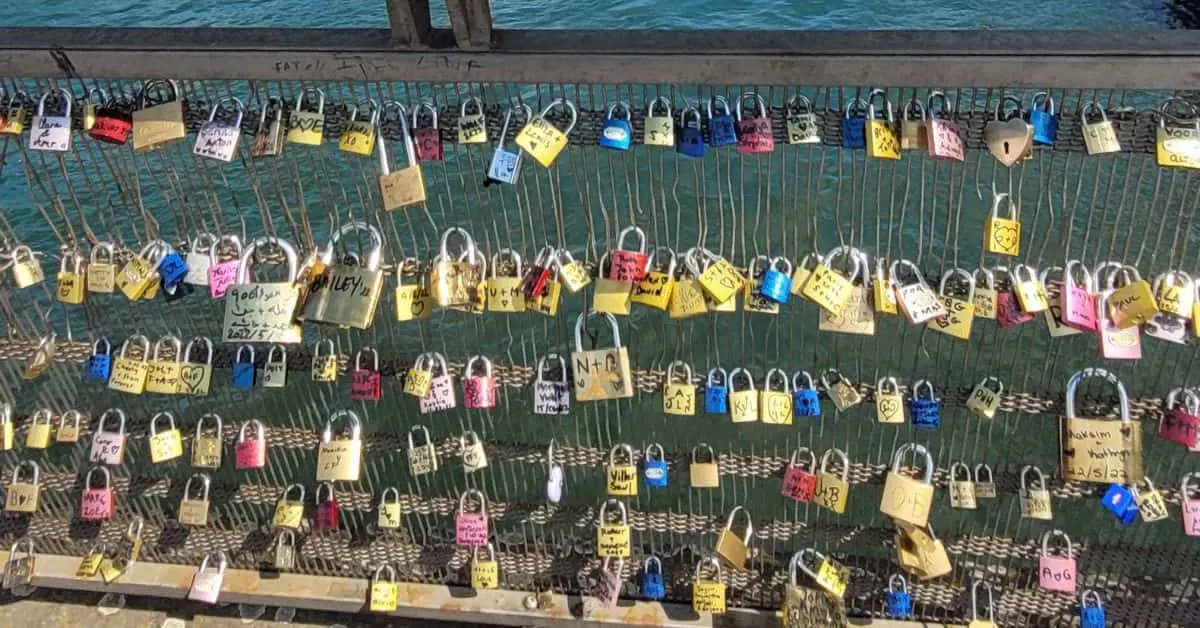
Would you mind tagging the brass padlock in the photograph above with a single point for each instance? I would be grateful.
(164, 371)
(679, 393)
(829, 574)
(324, 361)
(1008, 136)
(102, 268)
(485, 570)
(456, 284)
(882, 139)
(604, 373)
(90, 565)
(307, 127)
(27, 271)
(1003, 235)
(575, 275)
(40, 428)
(138, 276)
(41, 358)
(743, 402)
(621, 478)
(732, 548)
(802, 127)
(829, 288)
(385, 593)
(472, 127)
(340, 459)
(959, 306)
(841, 391)
(263, 311)
(708, 594)
(613, 537)
(984, 399)
(657, 287)
(985, 293)
(1034, 499)
(984, 489)
(68, 427)
(719, 279)
(404, 187)
(962, 487)
(196, 377)
(1030, 291)
(358, 136)
(1132, 302)
(474, 456)
(69, 283)
(889, 403)
(422, 458)
(1099, 137)
(344, 294)
(156, 126)
(208, 444)
(913, 134)
(904, 498)
(389, 510)
(611, 296)
(23, 492)
(1178, 146)
(833, 490)
(289, 512)
(268, 136)
(129, 373)
(193, 508)
(1103, 451)
(704, 474)
(505, 292)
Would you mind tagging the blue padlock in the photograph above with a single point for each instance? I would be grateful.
(654, 586)
(720, 125)
(899, 600)
(777, 281)
(1041, 116)
(926, 410)
(690, 142)
(805, 401)
(171, 267)
(1118, 499)
(243, 370)
(716, 392)
(854, 124)
(617, 132)
(1091, 611)
(655, 466)
(99, 364)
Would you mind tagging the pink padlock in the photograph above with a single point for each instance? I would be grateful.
(479, 391)
(1181, 424)
(328, 514)
(251, 453)
(441, 387)
(471, 528)
(754, 134)
(97, 502)
(427, 139)
(221, 274)
(1056, 572)
(627, 265)
(799, 483)
(1116, 343)
(1191, 507)
(1077, 301)
(366, 384)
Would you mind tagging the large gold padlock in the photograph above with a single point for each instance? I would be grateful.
(69, 285)
(704, 473)
(263, 312)
(1103, 451)
(1178, 146)
(960, 309)
(340, 459)
(1099, 137)
(405, 186)
(827, 287)
(102, 269)
(163, 371)
(1034, 499)
(307, 127)
(601, 373)
(1009, 137)
(882, 140)
(856, 317)
(1003, 235)
(40, 428)
(138, 275)
(541, 139)
(932, 561)
(156, 126)
(621, 478)
(679, 393)
(347, 295)
(1132, 303)
(613, 537)
(358, 136)
(22, 493)
(743, 402)
(505, 293)
(658, 285)
(128, 372)
(574, 274)
(732, 548)
(193, 508)
(904, 498)
(889, 403)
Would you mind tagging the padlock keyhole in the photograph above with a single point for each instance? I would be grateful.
(1006, 149)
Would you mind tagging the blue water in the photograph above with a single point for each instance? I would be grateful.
(681, 14)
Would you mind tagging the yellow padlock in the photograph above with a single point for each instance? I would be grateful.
(1132, 302)
(419, 378)
(390, 511)
(1174, 292)
(829, 288)
(90, 565)
(307, 127)
(889, 403)
(775, 400)
(574, 274)
(960, 309)
(541, 139)
(743, 403)
(1034, 498)
(657, 287)
(1030, 291)
(25, 489)
(621, 478)
(69, 285)
(1178, 146)
(719, 279)
(472, 127)
(904, 498)
(164, 372)
(883, 289)
(13, 122)
(128, 372)
(732, 548)
(708, 594)
(613, 537)
(841, 391)
(828, 573)
(358, 136)
(40, 427)
(505, 292)
(1099, 137)
(687, 300)
(803, 272)
(659, 129)
(165, 444)
(962, 487)
(1003, 235)
(882, 139)
(985, 293)
(325, 361)
(485, 571)
(679, 393)
(102, 269)
(611, 296)
(833, 490)
(984, 399)
(704, 473)
(289, 513)
(385, 593)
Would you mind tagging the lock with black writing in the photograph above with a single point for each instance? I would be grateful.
(422, 458)
(828, 287)
(833, 489)
(826, 573)
(1043, 119)
(1009, 137)
(691, 136)
(52, 132)
(1034, 497)
(69, 283)
(977, 620)
(284, 550)
(485, 570)
(68, 427)
(613, 534)
(925, 407)
(389, 510)
(358, 136)
(289, 512)
(404, 187)
(102, 269)
(904, 498)
(1100, 449)
(704, 470)
(307, 127)
(984, 399)
(621, 477)
(720, 279)
(193, 508)
(889, 403)
(472, 127)
(347, 294)
(775, 399)
(679, 393)
(163, 373)
(218, 138)
(752, 298)
(721, 125)
(957, 293)
(942, 133)
(258, 311)
(505, 291)
(1099, 137)
(207, 443)
(109, 121)
(1149, 502)
(90, 565)
(1002, 235)
(916, 299)
(754, 134)
(657, 285)
(801, 121)
(659, 130)
(340, 459)
(617, 132)
(882, 139)
(708, 593)
(854, 124)
(108, 445)
(541, 139)
(962, 487)
(800, 483)
(731, 547)
(1132, 301)
(165, 444)
(324, 361)
(743, 401)
(97, 501)
(23, 492)
(984, 488)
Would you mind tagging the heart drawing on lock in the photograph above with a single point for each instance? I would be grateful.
(1005, 238)
(1008, 140)
(190, 377)
(888, 406)
(943, 321)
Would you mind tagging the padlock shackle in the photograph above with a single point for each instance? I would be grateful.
(749, 524)
(946, 110)
(87, 479)
(154, 421)
(897, 579)
(328, 486)
(102, 247)
(311, 90)
(1094, 596)
(472, 492)
(262, 113)
(1090, 106)
(794, 462)
(798, 104)
(958, 464)
(117, 412)
(258, 430)
(733, 379)
(509, 254)
(588, 313)
(799, 562)
(1098, 373)
(282, 353)
(650, 456)
(987, 382)
(961, 275)
(372, 105)
(1072, 268)
(621, 105)
(187, 352)
(1191, 400)
(913, 105)
(855, 259)
(717, 99)
(424, 430)
(624, 514)
(237, 358)
(491, 552)
(246, 260)
(75, 415)
(1042, 98)
(1050, 535)
(683, 116)
(787, 264)
(205, 485)
(425, 105)
(989, 278)
(856, 104)
(543, 363)
(713, 374)
(918, 449)
(825, 381)
(35, 471)
(469, 369)
(807, 381)
(23, 545)
(712, 455)
(381, 152)
(652, 560)
(288, 491)
(928, 387)
(569, 106)
(374, 256)
(42, 413)
(381, 571)
(612, 454)
(350, 417)
(779, 374)
(1013, 209)
(238, 106)
(171, 340)
(468, 438)
(841, 456)
(979, 468)
(141, 340)
(672, 372)
(507, 117)
(391, 490)
(220, 555)
(1003, 114)
(708, 561)
(885, 382)
(975, 598)
(637, 233)
(887, 105)
(758, 100)
(657, 101)
(358, 355)
(1041, 478)
(1023, 269)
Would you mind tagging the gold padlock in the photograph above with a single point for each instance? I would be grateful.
(472, 127)
(574, 274)
(704, 473)
(1003, 235)
(422, 459)
(164, 371)
(193, 508)
(708, 594)
(40, 427)
(609, 295)
(413, 302)
(1099, 137)
(13, 122)
(743, 403)
(1034, 499)
(659, 130)
(1030, 291)
(505, 293)
(613, 537)
(347, 295)
(390, 512)
(90, 565)
(621, 479)
(687, 299)
(27, 271)
(208, 444)
(128, 372)
(404, 187)
(1150, 503)
(930, 553)
(984, 399)
(731, 547)
(358, 136)
(6, 428)
(984, 489)
(1174, 293)
(1132, 303)
(263, 311)
(455, 285)
(485, 571)
(882, 140)
(289, 513)
(904, 498)
(719, 279)
(913, 134)
(41, 358)
(269, 135)
(1178, 146)
(22, 495)
(960, 309)
(658, 286)
(102, 269)
(752, 298)
(164, 444)
(827, 287)
(324, 362)
(985, 293)
(307, 127)
(962, 487)
(1103, 451)
(340, 459)
(833, 489)
(385, 593)
(883, 289)
(138, 275)
(1008, 136)
(803, 272)
(802, 127)
(541, 139)
(830, 575)
(889, 403)
(601, 374)
(69, 283)
(68, 427)
(775, 399)
(156, 126)
(841, 391)
(679, 393)
(474, 456)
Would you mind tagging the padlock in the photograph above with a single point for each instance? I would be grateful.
(206, 584)
(441, 386)
(962, 487)
(324, 361)
(1002, 235)
(269, 134)
(942, 134)
(551, 397)
(419, 378)
(263, 311)
(621, 479)
(40, 427)
(21, 495)
(1077, 299)
(1190, 505)
(156, 126)
(1180, 422)
(802, 125)
(171, 269)
(1008, 306)
(1053, 316)
(976, 620)
(422, 458)
(307, 127)
(800, 483)
(427, 140)
(608, 582)
(474, 456)
(899, 600)
(857, 316)
(1098, 137)
(657, 285)
(854, 124)
(193, 508)
(775, 399)
(1100, 450)
(1174, 293)
(347, 295)
(752, 297)
(195, 377)
(7, 442)
(984, 399)
(829, 288)
(130, 547)
(1029, 290)
(163, 374)
(959, 306)
(18, 571)
(829, 574)
(655, 466)
(404, 187)
(575, 275)
(653, 583)
(289, 512)
(924, 407)
(250, 453)
(629, 266)
(284, 550)
(1043, 119)
(777, 280)
(358, 136)
(27, 270)
(413, 302)
(617, 133)
(922, 553)
(613, 537)
(1150, 502)
(328, 515)
(805, 400)
(108, 446)
(479, 391)
(754, 134)
(41, 358)
(340, 459)
(389, 511)
(90, 565)
(731, 547)
(275, 368)
(244, 369)
(456, 281)
(1056, 572)
(385, 593)
(1120, 501)
(844, 394)
(719, 279)
(102, 272)
(708, 593)
(716, 391)
(743, 403)
(165, 444)
(704, 471)
(51, 132)
(471, 526)
(218, 139)
(536, 276)
(485, 570)
(913, 135)
(1091, 611)
(366, 381)
(137, 277)
(833, 489)
(207, 444)
(904, 498)
(691, 137)
(1034, 499)
(1132, 302)
(722, 129)
(68, 427)
(200, 256)
(688, 299)
(541, 139)
(472, 127)
(882, 140)
(111, 123)
(679, 393)
(889, 403)
(554, 476)
(984, 489)
(98, 500)
(1008, 137)
(504, 291)
(659, 129)
(69, 283)
(604, 373)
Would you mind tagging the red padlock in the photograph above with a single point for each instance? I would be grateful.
(479, 391)
(628, 266)
(110, 124)
(539, 273)
(97, 502)
(366, 384)
(798, 483)
(328, 512)
(251, 453)
(1181, 422)
(428, 139)
(1008, 308)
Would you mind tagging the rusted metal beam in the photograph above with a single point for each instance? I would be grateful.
(410, 22)
(1021, 59)
(471, 21)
